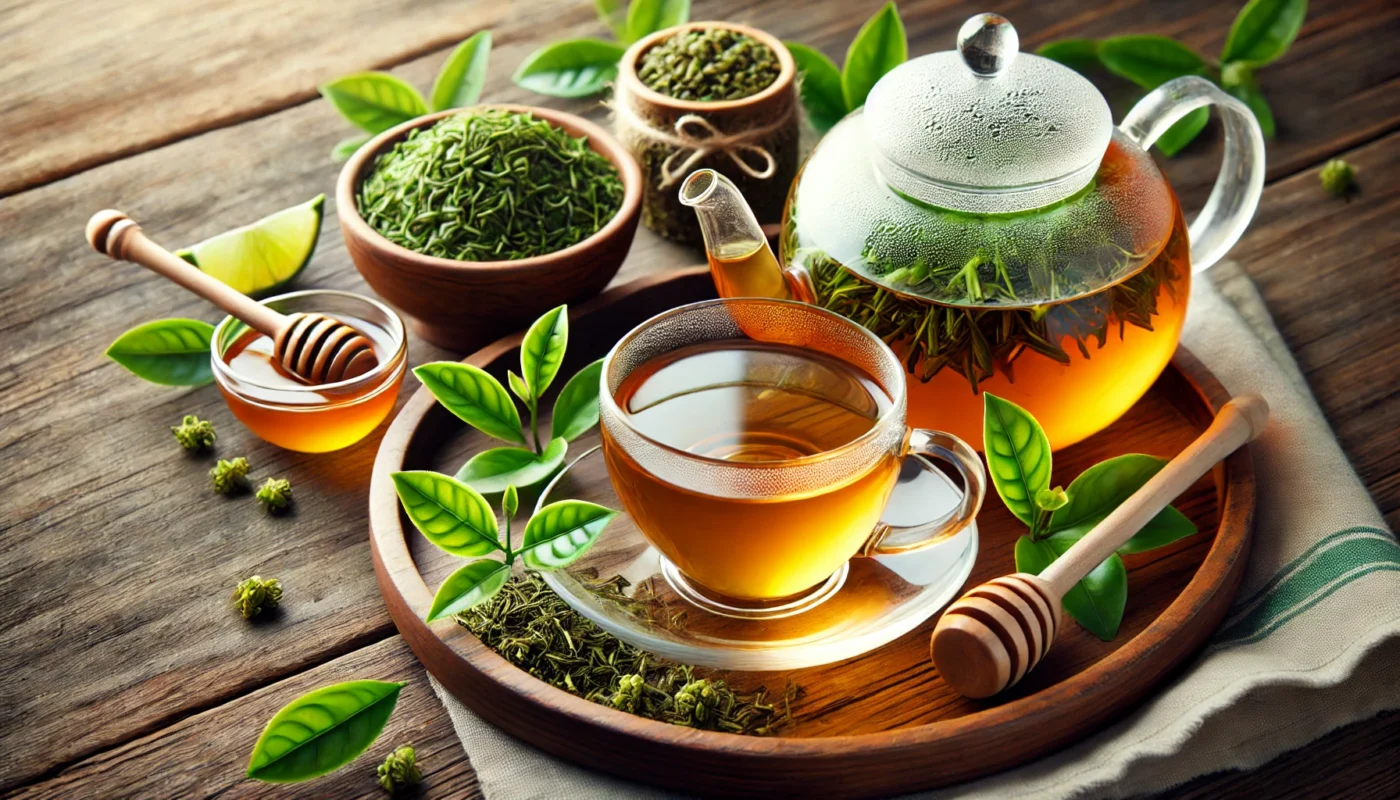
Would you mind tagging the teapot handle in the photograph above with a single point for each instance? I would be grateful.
(1236, 194)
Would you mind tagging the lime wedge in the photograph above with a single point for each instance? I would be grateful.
(258, 258)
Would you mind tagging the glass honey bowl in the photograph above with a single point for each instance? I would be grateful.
(283, 410)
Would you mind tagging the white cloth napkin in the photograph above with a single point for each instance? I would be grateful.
(1311, 643)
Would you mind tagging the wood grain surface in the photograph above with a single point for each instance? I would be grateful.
(875, 724)
(115, 560)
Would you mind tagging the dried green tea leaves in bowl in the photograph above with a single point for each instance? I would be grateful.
(709, 65)
(490, 185)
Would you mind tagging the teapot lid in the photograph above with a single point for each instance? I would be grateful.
(986, 129)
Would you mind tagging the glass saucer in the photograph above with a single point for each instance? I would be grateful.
(881, 598)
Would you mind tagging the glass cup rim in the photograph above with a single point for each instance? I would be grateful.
(897, 393)
(225, 373)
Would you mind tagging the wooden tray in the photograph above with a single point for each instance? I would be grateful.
(877, 724)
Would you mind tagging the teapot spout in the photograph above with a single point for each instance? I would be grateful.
(741, 262)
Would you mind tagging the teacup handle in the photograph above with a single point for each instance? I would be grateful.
(888, 539)
(1241, 181)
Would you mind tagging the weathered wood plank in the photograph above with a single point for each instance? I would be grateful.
(1326, 270)
(116, 562)
(206, 754)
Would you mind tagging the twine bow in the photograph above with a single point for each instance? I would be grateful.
(695, 137)
(694, 148)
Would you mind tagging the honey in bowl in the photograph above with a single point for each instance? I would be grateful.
(284, 410)
(765, 404)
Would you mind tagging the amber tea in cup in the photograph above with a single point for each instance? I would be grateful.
(755, 444)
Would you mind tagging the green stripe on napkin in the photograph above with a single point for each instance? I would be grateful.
(1327, 566)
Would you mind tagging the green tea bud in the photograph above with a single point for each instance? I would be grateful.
(1338, 177)
(194, 433)
(275, 495)
(229, 476)
(255, 595)
(399, 770)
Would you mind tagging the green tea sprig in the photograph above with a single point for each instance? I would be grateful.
(479, 400)
(583, 67)
(377, 101)
(1261, 34)
(1019, 461)
(828, 93)
(456, 519)
(322, 731)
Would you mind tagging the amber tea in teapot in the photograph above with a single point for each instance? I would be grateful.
(982, 215)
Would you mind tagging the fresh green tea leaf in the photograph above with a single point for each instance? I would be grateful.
(474, 396)
(510, 502)
(374, 101)
(459, 82)
(820, 83)
(571, 68)
(322, 731)
(1183, 132)
(649, 16)
(1264, 30)
(475, 583)
(1238, 79)
(346, 147)
(1018, 455)
(562, 532)
(879, 47)
(1149, 61)
(1103, 487)
(171, 352)
(1080, 55)
(452, 515)
(612, 14)
(1097, 602)
(576, 410)
(493, 470)
(517, 385)
(542, 351)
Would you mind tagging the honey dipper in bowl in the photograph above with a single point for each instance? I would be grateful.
(994, 634)
(315, 348)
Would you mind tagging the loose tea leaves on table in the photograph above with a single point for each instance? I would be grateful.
(490, 185)
(530, 626)
(709, 65)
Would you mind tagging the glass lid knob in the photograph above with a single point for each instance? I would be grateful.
(988, 43)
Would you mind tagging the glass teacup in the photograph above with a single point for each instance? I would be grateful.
(756, 442)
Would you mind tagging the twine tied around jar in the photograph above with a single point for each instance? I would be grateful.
(693, 137)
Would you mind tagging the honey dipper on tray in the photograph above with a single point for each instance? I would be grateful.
(314, 347)
(994, 634)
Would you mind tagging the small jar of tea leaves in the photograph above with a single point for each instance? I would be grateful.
(708, 94)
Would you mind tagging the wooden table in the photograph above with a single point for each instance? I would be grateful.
(125, 671)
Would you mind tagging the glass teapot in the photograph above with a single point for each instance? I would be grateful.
(982, 214)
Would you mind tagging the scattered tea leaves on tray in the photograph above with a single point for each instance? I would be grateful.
(1019, 460)
(490, 185)
(322, 731)
(708, 65)
(1338, 178)
(399, 770)
(530, 626)
(257, 594)
(230, 475)
(275, 495)
(194, 433)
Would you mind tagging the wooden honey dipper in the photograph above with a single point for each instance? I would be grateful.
(314, 347)
(996, 633)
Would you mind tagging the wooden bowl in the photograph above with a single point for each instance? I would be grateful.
(461, 305)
